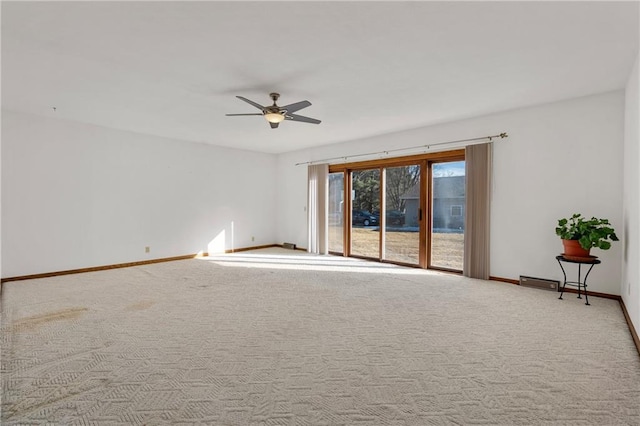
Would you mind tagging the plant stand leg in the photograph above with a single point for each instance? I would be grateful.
(584, 283)
(564, 282)
(579, 281)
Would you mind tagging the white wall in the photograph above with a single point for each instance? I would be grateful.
(77, 195)
(559, 159)
(1, 207)
(631, 203)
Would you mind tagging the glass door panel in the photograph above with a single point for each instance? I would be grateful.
(365, 199)
(447, 214)
(401, 214)
(336, 212)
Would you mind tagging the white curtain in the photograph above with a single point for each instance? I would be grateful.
(318, 202)
(478, 194)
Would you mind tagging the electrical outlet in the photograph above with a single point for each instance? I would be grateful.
(147, 249)
(253, 238)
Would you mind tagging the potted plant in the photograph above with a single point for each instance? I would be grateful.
(579, 234)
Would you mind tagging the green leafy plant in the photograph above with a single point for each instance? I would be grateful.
(591, 233)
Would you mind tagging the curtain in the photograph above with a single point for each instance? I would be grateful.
(318, 203)
(478, 193)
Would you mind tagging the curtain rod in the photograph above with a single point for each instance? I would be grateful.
(427, 146)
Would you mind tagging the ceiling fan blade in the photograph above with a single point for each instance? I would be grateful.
(296, 107)
(253, 113)
(250, 102)
(295, 117)
(274, 125)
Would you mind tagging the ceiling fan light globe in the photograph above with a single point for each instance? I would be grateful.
(274, 117)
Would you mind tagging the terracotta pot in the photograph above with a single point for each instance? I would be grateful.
(573, 248)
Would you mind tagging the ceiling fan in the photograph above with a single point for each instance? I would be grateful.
(275, 114)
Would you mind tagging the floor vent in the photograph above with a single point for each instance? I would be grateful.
(289, 246)
(539, 283)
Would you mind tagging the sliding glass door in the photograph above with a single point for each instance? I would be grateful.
(365, 225)
(447, 214)
(408, 210)
(336, 212)
(401, 242)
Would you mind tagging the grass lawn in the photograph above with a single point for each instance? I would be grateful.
(446, 250)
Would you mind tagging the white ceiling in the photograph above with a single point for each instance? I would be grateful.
(173, 68)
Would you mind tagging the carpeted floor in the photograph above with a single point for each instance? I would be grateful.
(276, 337)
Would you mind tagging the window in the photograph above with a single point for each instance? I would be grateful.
(456, 210)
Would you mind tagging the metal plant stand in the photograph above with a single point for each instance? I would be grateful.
(581, 283)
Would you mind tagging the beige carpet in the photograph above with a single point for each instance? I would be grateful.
(276, 337)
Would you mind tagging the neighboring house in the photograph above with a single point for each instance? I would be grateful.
(448, 203)
(411, 205)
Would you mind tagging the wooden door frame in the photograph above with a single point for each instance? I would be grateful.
(425, 204)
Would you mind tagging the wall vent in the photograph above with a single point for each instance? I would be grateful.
(289, 246)
(539, 283)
